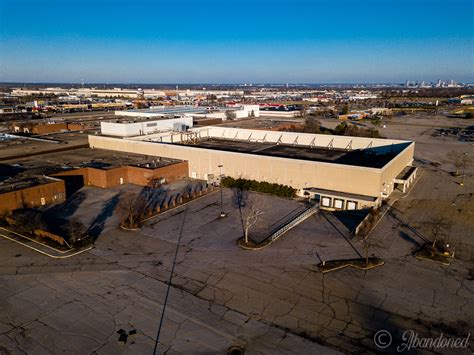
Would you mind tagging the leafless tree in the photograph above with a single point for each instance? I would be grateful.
(312, 125)
(366, 248)
(230, 115)
(155, 182)
(75, 230)
(459, 160)
(132, 206)
(438, 226)
(27, 220)
(251, 215)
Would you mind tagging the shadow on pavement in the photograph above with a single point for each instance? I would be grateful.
(98, 224)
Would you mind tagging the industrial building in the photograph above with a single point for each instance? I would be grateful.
(108, 176)
(126, 127)
(340, 172)
(30, 192)
(58, 176)
(178, 118)
(194, 111)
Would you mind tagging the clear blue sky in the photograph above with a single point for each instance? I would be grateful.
(212, 41)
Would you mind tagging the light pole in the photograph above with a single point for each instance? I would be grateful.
(222, 215)
(463, 168)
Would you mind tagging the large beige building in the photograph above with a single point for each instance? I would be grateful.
(340, 172)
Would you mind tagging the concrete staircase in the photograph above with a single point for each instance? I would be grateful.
(293, 223)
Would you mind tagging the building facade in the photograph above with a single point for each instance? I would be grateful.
(335, 167)
(46, 191)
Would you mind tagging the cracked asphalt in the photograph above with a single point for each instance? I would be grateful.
(269, 301)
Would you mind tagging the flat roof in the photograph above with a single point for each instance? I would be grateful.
(49, 164)
(170, 110)
(23, 183)
(369, 158)
(136, 119)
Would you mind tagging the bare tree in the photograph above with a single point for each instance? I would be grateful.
(312, 125)
(27, 220)
(155, 182)
(438, 226)
(132, 206)
(75, 230)
(366, 248)
(230, 115)
(459, 160)
(251, 215)
(304, 111)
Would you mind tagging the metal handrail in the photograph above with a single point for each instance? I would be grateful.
(294, 222)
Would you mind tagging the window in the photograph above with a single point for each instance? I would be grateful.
(338, 203)
(152, 124)
(351, 205)
(121, 181)
(43, 201)
(326, 201)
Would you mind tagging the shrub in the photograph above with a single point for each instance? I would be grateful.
(259, 186)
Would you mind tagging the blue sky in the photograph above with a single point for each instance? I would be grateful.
(211, 41)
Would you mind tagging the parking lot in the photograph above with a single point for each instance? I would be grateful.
(271, 300)
(222, 295)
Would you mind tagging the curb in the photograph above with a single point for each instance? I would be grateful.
(43, 252)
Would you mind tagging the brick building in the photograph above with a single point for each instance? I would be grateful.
(31, 192)
(115, 176)
(47, 128)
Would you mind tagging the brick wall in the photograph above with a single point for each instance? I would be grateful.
(173, 172)
(128, 174)
(51, 192)
(108, 178)
(49, 128)
(207, 121)
(78, 126)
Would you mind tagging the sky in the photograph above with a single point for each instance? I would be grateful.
(239, 41)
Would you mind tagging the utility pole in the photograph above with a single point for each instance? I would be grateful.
(222, 215)
(463, 168)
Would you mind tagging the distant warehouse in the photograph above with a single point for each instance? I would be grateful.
(126, 127)
(340, 172)
(178, 118)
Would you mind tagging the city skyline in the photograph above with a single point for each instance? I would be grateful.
(236, 42)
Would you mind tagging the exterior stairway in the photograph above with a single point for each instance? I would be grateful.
(293, 223)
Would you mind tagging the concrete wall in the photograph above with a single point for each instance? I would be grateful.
(36, 196)
(394, 167)
(318, 140)
(124, 129)
(289, 114)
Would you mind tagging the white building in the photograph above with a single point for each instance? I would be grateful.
(244, 111)
(131, 128)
